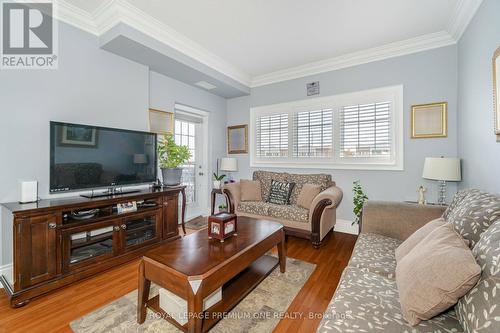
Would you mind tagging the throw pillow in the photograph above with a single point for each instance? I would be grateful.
(250, 190)
(473, 213)
(479, 309)
(435, 274)
(416, 237)
(307, 195)
(280, 192)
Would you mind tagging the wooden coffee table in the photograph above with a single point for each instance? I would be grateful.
(194, 267)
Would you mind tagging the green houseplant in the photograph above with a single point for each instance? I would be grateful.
(359, 200)
(218, 180)
(171, 156)
(222, 208)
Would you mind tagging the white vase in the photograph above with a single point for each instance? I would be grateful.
(217, 184)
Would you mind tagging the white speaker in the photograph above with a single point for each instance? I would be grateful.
(29, 191)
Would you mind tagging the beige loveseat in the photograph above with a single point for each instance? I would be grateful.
(313, 223)
(367, 297)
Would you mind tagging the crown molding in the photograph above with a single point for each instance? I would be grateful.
(71, 14)
(112, 12)
(461, 17)
(413, 45)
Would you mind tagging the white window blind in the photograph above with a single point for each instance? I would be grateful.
(272, 135)
(365, 130)
(313, 133)
(354, 131)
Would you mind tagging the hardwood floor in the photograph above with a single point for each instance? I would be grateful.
(54, 312)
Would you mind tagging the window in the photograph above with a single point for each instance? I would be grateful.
(365, 130)
(272, 136)
(361, 130)
(313, 133)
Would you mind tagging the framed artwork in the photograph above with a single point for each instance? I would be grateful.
(429, 120)
(78, 136)
(496, 91)
(161, 122)
(237, 139)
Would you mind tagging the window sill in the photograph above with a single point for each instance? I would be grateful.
(328, 166)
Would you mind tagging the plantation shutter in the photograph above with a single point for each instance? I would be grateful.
(313, 133)
(365, 130)
(272, 136)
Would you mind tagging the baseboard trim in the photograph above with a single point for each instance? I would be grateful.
(346, 226)
(6, 270)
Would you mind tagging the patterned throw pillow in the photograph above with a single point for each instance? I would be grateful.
(280, 192)
(472, 213)
(479, 310)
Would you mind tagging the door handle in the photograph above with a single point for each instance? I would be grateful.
(200, 174)
(52, 225)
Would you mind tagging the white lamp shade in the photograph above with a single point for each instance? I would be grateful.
(447, 169)
(228, 164)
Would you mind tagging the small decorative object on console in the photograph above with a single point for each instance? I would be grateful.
(421, 195)
(127, 207)
(222, 226)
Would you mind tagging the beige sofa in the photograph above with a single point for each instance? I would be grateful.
(313, 223)
(367, 298)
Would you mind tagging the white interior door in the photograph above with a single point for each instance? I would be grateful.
(189, 132)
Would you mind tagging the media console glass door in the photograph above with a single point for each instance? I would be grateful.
(86, 245)
(140, 229)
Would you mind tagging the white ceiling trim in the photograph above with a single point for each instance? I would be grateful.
(120, 11)
(462, 15)
(112, 12)
(413, 45)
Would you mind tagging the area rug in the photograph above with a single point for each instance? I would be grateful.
(259, 312)
(198, 223)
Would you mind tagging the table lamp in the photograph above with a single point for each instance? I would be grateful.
(229, 164)
(442, 169)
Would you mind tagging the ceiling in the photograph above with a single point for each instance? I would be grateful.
(258, 41)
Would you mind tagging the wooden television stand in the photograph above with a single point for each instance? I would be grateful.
(52, 249)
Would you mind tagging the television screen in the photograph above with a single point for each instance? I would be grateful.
(83, 157)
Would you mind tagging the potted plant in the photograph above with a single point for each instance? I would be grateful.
(222, 208)
(171, 156)
(218, 180)
(358, 200)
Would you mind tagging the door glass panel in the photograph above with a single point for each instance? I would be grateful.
(91, 244)
(185, 135)
(140, 230)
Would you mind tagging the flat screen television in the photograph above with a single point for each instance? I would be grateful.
(89, 157)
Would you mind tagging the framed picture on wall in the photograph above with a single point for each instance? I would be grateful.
(429, 120)
(496, 91)
(237, 139)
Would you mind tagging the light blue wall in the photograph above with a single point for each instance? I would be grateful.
(427, 77)
(166, 92)
(91, 86)
(477, 145)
